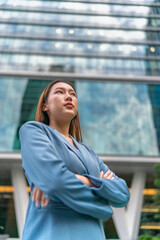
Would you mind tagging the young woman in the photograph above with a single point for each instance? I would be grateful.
(72, 190)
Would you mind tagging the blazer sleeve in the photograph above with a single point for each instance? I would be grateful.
(114, 191)
(48, 172)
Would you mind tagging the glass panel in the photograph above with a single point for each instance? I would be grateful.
(127, 113)
(38, 3)
(106, 20)
(124, 112)
(79, 47)
(95, 65)
(8, 226)
(80, 32)
(86, 7)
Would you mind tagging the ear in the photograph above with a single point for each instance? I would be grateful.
(44, 107)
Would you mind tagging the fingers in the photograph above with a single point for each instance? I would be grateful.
(108, 175)
(101, 174)
(38, 196)
(44, 201)
(34, 194)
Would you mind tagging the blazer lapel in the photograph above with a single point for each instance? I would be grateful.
(74, 149)
(78, 151)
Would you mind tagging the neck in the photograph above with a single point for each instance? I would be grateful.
(61, 128)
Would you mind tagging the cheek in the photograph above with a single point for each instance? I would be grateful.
(76, 104)
(54, 102)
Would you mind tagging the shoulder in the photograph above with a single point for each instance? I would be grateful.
(31, 126)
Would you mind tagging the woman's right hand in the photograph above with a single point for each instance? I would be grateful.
(38, 196)
(85, 180)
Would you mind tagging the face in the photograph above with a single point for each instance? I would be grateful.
(62, 102)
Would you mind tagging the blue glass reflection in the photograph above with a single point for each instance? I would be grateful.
(11, 95)
(117, 118)
(105, 20)
(78, 47)
(79, 32)
(79, 64)
(81, 6)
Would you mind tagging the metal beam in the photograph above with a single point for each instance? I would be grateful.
(77, 39)
(7, 156)
(80, 77)
(79, 54)
(11, 156)
(116, 2)
(77, 12)
(76, 25)
(119, 164)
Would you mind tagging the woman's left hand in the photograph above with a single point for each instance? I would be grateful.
(107, 175)
(38, 196)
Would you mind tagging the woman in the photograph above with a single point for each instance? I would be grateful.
(72, 190)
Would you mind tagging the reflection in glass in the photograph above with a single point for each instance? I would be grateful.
(108, 66)
(85, 7)
(79, 32)
(116, 118)
(108, 21)
(51, 46)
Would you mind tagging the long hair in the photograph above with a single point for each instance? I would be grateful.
(42, 116)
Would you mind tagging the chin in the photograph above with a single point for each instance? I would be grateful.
(69, 116)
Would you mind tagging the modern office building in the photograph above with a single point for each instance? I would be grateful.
(110, 49)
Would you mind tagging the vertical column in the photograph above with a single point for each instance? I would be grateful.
(133, 214)
(21, 196)
(119, 219)
(127, 220)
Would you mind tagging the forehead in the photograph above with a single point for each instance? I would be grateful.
(62, 85)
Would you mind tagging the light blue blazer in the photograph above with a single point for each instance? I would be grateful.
(75, 211)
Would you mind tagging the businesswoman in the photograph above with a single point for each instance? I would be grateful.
(72, 190)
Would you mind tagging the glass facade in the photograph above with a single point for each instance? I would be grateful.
(113, 106)
(103, 38)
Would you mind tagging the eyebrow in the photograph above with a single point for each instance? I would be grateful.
(70, 89)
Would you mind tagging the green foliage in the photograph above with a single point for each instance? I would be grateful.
(157, 237)
(157, 182)
(156, 197)
(145, 237)
(149, 237)
(157, 175)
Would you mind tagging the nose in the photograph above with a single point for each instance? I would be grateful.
(68, 97)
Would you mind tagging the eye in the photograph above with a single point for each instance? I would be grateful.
(59, 91)
(73, 94)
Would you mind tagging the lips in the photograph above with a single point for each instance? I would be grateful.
(69, 105)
